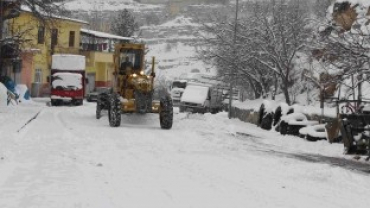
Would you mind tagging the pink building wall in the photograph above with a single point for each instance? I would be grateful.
(26, 73)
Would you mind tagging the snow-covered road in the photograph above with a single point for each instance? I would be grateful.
(65, 158)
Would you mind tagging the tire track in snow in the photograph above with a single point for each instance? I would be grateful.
(307, 157)
(29, 121)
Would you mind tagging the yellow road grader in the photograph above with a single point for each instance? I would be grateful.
(133, 90)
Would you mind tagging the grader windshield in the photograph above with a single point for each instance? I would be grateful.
(134, 56)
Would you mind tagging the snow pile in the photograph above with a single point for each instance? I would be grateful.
(297, 119)
(67, 80)
(68, 62)
(23, 92)
(3, 95)
(317, 131)
(195, 94)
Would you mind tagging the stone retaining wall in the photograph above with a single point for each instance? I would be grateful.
(251, 116)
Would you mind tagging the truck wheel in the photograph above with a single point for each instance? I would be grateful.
(79, 102)
(166, 113)
(53, 102)
(98, 109)
(214, 110)
(56, 102)
(114, 112)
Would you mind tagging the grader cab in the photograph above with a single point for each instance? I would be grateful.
(133, 88)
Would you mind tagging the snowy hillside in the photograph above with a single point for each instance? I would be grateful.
(173, 43)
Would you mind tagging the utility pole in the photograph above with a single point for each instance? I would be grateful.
(234, 53)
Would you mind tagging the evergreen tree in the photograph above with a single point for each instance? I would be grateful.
(124, 24)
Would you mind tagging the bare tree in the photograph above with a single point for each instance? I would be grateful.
(42, 10)
(269, 36)
(342, 46)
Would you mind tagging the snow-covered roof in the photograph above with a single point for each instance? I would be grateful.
(27, 9)
(104, 35)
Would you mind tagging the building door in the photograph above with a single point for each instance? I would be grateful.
(91, 82)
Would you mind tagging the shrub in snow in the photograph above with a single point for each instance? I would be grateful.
(313, 133)
(292, 123)
(281, 110)
(265, 116)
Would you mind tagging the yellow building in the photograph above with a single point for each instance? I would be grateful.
(98, 47)
(38, 41)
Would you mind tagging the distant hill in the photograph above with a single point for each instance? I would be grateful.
(104, 5)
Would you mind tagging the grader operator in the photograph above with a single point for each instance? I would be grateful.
(133, 89)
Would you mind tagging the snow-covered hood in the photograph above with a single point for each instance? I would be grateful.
(195, 94)
(67, 80)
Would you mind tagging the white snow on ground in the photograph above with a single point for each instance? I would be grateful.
(66, 158)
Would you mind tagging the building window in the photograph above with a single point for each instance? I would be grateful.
(41, 35)
(71, 38)
(38, 76)
(54, 37)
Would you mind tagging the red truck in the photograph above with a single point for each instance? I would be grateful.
(67, 79)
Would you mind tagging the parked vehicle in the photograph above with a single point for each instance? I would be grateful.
(67, 79)
(201, 98)
(93, 96)
(177, 89)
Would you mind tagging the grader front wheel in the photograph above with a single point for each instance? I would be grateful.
(114, 112)
(166, 113)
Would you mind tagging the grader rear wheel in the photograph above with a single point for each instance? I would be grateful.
(114, 112)
(166, 113)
